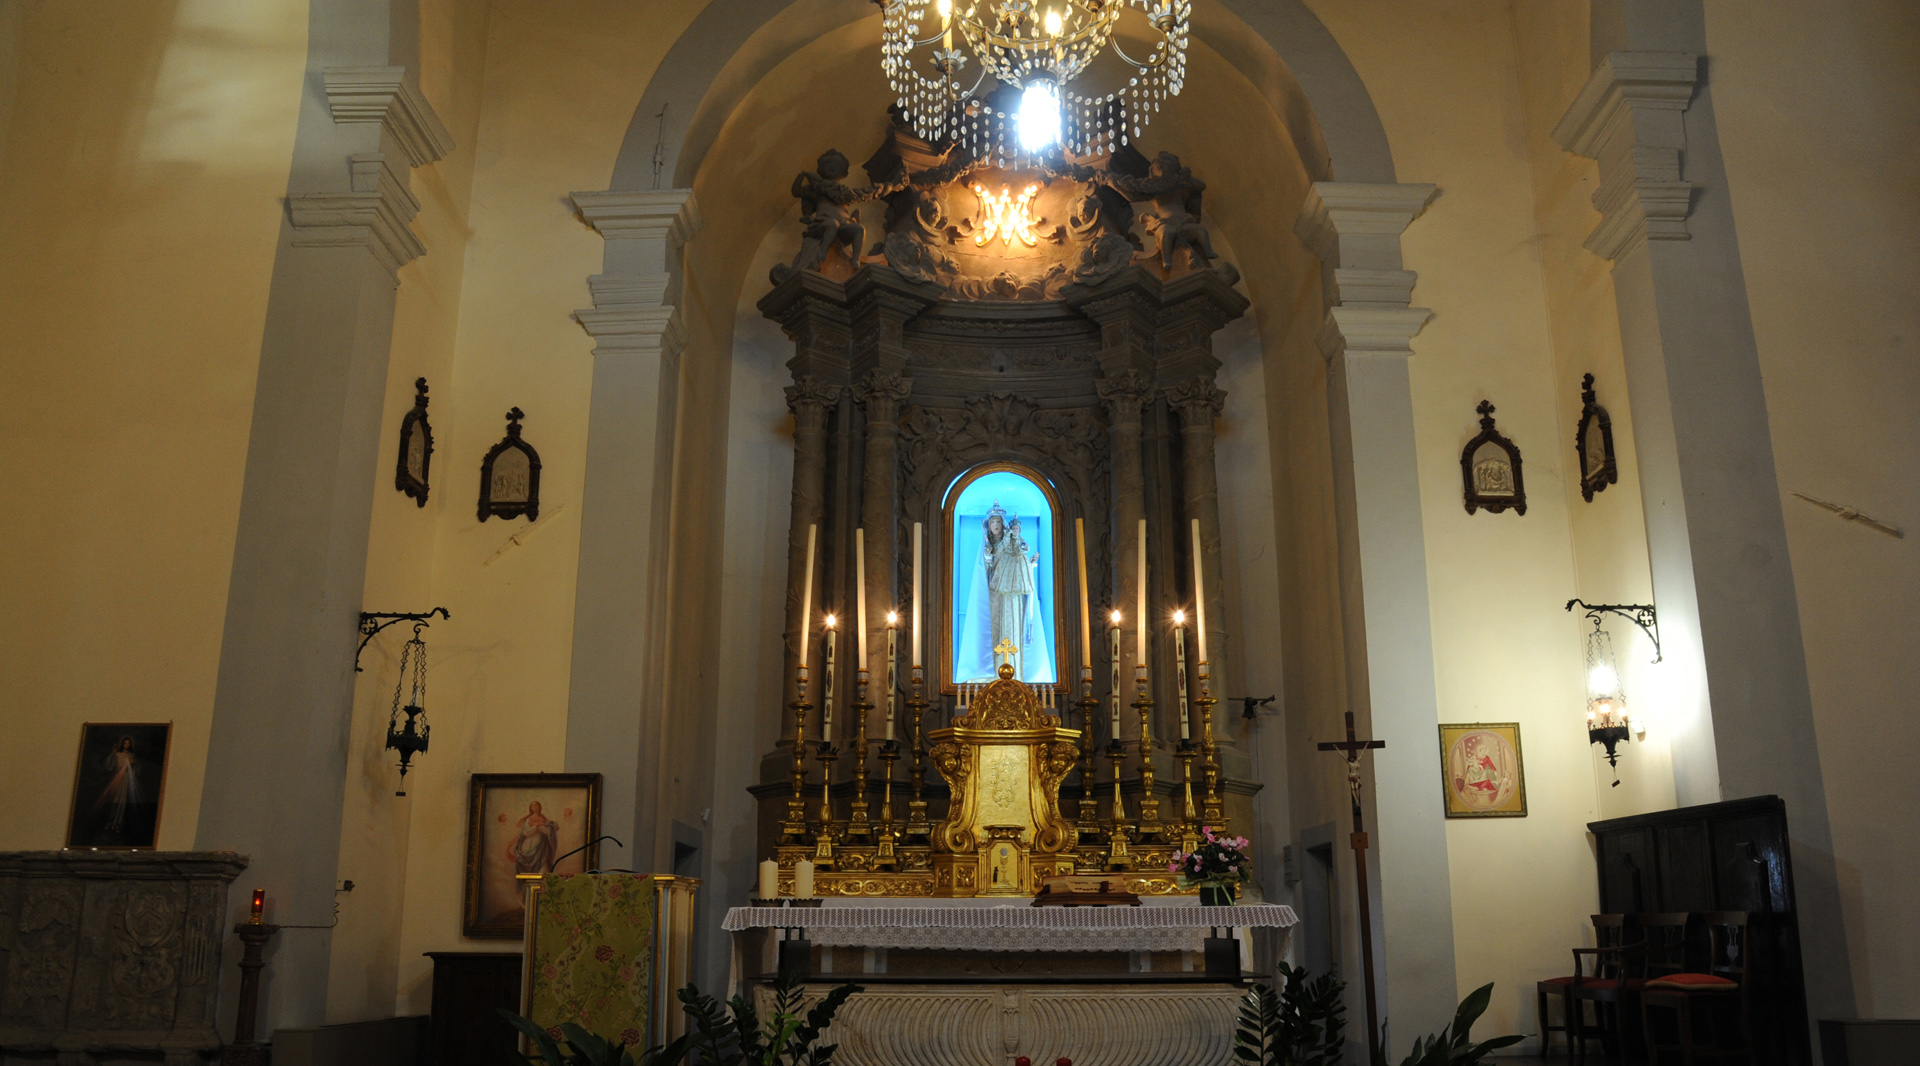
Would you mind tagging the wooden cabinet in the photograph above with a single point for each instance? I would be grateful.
(1730, 856)
(468, 986)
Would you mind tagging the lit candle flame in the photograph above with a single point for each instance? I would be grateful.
(1179, 618)
(893, 617)
(1116, 618)
(829, 621)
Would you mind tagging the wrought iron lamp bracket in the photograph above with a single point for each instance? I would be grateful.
(372, 622)
(1641, 615)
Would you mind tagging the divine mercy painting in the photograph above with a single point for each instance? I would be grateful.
(118, 785)
(1002, 542)
(524, 824)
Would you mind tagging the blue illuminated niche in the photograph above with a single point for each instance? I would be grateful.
(1003, 577)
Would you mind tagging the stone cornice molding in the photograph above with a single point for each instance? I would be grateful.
(1371, 330)
(671, 215)
(386, 96)
(1198, 400)
(1629, 117)
(636, 302)
(374, 214)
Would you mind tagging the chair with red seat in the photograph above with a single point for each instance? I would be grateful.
(1709, 1010)
(1609, 937)
(1660, 950)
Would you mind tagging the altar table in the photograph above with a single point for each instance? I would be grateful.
(978, 983)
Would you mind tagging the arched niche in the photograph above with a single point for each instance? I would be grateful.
(1006, 578)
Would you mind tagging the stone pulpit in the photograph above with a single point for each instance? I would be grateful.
(1004, 761)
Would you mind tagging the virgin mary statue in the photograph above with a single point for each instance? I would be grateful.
(1002, 606)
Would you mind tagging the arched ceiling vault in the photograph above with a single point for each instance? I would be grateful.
(1278, 46)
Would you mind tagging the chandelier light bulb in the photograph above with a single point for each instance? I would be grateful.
(1039, 113)
(945, 8)
(1053, 23)
(1602, 681)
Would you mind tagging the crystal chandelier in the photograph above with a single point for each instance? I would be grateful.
(1039, 47)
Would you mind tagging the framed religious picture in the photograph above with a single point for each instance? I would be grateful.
(1593, 444)
(510, 476)
(1481, 772)
(416, 448)
(1490, 469)
(1003, 548)
(523, 824)
(118, 785)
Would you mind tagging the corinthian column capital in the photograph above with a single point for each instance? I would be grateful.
(881, 393)
(1125, 394)
(811, 392)
(1198, 400)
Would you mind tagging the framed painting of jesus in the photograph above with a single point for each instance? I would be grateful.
(118, 785)
(1481, 771)
(524, 824)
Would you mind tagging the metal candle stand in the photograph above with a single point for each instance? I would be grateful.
(794, 829)
(245, 1050)
(859, 825)
(918, 825)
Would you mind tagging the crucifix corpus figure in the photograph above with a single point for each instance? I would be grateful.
(1351, 749)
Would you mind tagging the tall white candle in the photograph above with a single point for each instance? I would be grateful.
(1114, 692)
(893, 667)
(916, 595)
(769, 879)
(1086, 613)
(1180, 670)
(1199, 595)
(1140, 597)
(826, 690)
(806, 597)
(860, 596)
(803, 879)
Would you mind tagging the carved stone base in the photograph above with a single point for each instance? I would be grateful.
(975, 1025)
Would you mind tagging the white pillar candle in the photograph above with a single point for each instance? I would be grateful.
(1086, 615)
(860, 597)
(1140, 595)
(1180, 670)
(803, 879)
(769, 879)
(826, 690)
(806, 597)
(916, 595)
(893, 666)
(1114, 692)
(1199, 595)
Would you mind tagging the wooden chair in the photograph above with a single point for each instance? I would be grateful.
(1709, 1009)
(1609, 937)
(1661, 949)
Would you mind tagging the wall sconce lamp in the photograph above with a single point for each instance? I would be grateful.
(410, 738)
(1609, 723)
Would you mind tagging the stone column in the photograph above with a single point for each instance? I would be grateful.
(616, 721)
(1126, 395)
(1741, 719)
(277, 753)
(1367, 338)
(809, 400)
(1198, 402)
(880, 393)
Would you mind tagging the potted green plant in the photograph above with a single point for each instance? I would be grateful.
(1217, 865)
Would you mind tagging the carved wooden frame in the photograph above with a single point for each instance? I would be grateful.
(415, 422)
(1062, 587)
(1491, 435)
(1609, 472)
(473, 925)
(531, 508)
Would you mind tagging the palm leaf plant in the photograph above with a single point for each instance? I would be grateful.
(1452, 1046)
(1303, 1024)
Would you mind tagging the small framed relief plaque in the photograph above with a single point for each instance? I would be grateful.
(1481, 771)
(118, 786)
(416, 448)
(1490, 468)
(510, 476)
(1593, 443)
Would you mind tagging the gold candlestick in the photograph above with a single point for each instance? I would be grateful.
(1088, 813)
(1150, 828)
(829, 832)
(794, 829)
(1189, 814)
(859, 826)
(917, 824)
(889, 752)
(1211, 810)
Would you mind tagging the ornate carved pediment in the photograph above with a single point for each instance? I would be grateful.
(1005, 704)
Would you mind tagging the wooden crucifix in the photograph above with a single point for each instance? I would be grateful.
(1351, 749)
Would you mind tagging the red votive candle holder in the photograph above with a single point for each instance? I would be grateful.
(259, 906)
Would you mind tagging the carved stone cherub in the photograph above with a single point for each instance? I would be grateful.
(827, 211)
(1175, 195)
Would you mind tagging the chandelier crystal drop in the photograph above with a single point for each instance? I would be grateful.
(1023, 43)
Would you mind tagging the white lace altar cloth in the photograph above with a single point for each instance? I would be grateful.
(1012, 927)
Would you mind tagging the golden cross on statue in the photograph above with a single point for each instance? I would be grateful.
(1005, 648)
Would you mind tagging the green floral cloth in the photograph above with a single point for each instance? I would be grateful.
(593, 955)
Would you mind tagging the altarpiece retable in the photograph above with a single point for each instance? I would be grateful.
(1016, 362)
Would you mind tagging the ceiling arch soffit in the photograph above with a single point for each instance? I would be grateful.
(731, 45)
